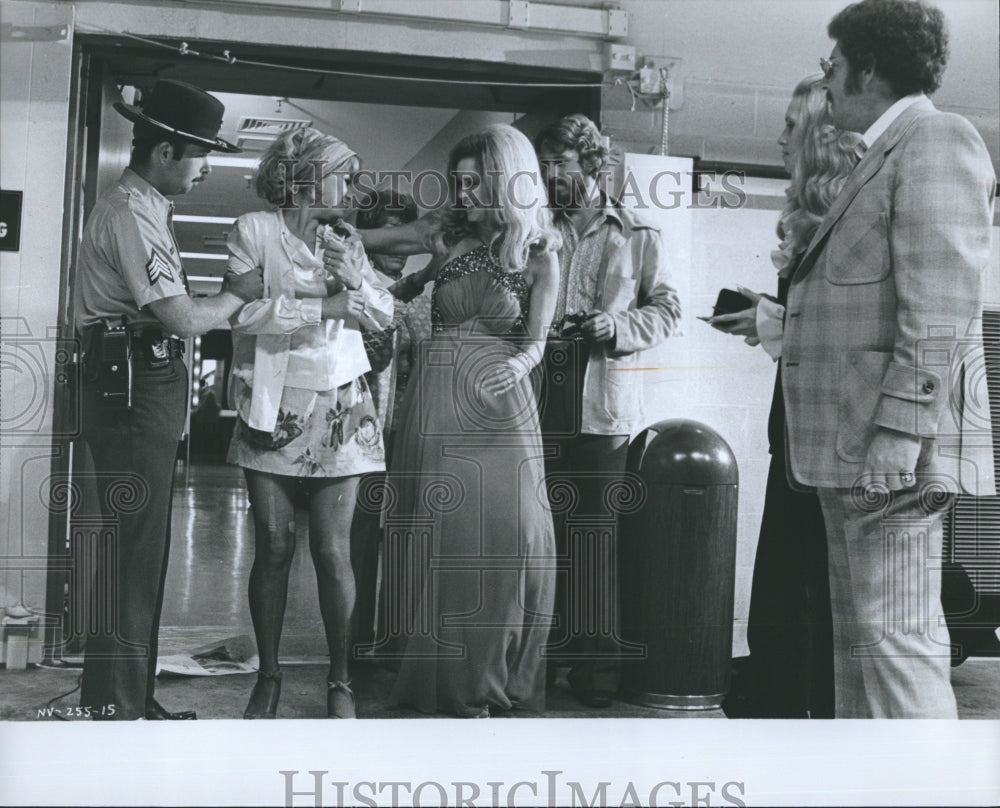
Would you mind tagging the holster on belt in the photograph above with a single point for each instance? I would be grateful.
(153, 346)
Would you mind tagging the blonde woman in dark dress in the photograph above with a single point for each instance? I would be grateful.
(468, 510)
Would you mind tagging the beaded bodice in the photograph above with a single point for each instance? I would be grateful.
(475, 285)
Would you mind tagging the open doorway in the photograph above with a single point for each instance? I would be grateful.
(400, 113)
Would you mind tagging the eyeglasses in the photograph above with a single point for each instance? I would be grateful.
(826, 65)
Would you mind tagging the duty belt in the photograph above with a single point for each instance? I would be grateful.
(147, 342)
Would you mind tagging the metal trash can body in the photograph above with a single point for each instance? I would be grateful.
(677, 565)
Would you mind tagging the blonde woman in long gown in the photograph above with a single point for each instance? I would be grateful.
(467, 509)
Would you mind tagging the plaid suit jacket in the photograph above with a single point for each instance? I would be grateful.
(884, 316)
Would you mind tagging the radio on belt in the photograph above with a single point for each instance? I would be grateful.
(116, 366)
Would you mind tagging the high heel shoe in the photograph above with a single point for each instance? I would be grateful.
(264, 697)
(340, 700)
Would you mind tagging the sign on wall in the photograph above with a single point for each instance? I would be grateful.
(10, 220)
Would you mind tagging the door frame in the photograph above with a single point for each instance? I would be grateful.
(85, 153)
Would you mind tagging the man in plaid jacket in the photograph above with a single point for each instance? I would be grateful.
(882, 357)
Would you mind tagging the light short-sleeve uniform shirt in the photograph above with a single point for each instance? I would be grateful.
(128, 255)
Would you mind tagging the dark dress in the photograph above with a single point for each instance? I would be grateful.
(789, 673)
(467, 514)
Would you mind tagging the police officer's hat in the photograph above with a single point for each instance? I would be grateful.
(184, 111)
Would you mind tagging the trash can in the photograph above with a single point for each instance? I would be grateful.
(677, 563)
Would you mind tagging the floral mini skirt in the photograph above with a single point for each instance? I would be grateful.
(333, 433)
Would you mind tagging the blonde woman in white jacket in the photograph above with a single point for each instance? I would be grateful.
(306, 416)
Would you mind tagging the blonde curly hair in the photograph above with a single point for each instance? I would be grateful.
(822, 165)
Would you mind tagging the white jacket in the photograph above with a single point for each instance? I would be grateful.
(263, 329)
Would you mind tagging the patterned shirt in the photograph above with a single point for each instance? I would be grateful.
(580, 259)
(128, 255)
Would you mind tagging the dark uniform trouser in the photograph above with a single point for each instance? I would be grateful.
(585, 636)
(134, 454)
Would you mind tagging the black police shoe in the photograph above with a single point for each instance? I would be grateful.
(157, 712)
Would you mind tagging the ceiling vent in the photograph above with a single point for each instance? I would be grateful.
(256, 134)
(254, 143)
(269, 127)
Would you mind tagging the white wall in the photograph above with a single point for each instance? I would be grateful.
(740, 60)
(702, 374)
(34, 105)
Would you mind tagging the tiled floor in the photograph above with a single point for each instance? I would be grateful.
(206, 602)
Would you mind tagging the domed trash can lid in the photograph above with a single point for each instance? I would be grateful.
(685, 452)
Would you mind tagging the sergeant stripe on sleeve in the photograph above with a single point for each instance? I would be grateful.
(157, 268)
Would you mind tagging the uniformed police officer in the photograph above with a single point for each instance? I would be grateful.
(133, 303)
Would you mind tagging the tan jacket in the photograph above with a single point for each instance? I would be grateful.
(635, 290)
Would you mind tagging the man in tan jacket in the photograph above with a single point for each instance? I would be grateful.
(615, 300)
